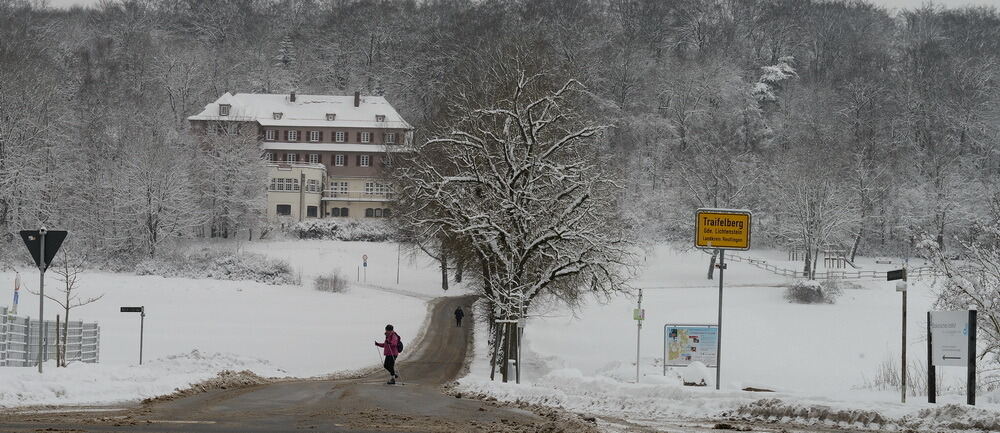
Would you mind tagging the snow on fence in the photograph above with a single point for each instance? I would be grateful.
(19, 340)
(911, 273)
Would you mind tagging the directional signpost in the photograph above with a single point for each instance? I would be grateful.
(951, 341)
(142, 324)
(43, 246)
(722, 229)
(899, 275)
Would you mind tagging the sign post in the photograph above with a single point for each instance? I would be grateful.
(17, 290)
(951, 341)
(638, 315)
(364, 264)
(722, 229)
(900, 275)
(43, 245)
(142, 323)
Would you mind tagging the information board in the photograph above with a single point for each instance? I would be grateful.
(722, 228)
(949, 338)
(684, 344)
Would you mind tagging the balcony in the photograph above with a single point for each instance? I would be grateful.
(285, 165)
(330, 195)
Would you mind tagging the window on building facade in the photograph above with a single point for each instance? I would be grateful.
(338, 160)
(386, 213)
(314, 158)
(343, 212)
(224, 109)
(276, 115)
(369, 212)
(378, 213)
(283, 184)
(269, 156)
(312, 185)
(340, 136)
(366, 137)
(311, 211)
(290, 157)
(331, 116)
(313, 135)
(270, 134)
(335, 212)
(364, 161)
(284, 209)
(338, 188)
(380, 117)
(293, 135)
(390, 138)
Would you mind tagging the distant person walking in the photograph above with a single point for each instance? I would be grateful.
(459, 314)
(390, 348)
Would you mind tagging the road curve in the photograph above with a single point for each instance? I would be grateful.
(359, 404)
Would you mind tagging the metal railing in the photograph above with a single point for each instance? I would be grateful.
(861, 274)
(297, 164)
(358, 195)
(19, 340)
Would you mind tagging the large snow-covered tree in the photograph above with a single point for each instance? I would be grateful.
(518, 180)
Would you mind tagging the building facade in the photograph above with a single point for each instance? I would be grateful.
(325, 154)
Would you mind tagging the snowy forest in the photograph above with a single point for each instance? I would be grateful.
(840, 124)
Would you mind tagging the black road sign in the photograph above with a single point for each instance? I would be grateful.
(53, 240)
(898, 274)
(132, 309)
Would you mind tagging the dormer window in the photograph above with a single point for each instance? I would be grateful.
(224, 109)
(380, 117)
(277, 116)
(330, 117)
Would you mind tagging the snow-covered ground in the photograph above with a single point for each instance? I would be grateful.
(195, 328)
(810, 354)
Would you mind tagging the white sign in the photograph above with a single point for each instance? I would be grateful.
(950, 338)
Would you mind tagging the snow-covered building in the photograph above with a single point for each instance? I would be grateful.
(325, 153)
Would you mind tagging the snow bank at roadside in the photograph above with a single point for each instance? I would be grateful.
(94, 384)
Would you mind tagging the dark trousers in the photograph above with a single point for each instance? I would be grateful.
(390, 364)
(458, 321)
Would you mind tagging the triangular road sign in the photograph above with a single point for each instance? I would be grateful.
(53, 240)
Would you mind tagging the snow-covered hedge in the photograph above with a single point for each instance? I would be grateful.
(219, 265)
(813, 292)
(349, 230)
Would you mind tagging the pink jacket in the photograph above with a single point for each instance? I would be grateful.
(389, 346)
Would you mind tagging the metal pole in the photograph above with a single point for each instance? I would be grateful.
(41, 299)
(142, 329)
(718, 352)
(903, 373)
(931, 370)
(971, 379)
(638, 331)
(398, 248)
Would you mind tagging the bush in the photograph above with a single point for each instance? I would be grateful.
(219, 265)
(344, 230)
(331, 282)
(813, 292)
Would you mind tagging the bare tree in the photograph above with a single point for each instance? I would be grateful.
(67, 295)
(518, 183)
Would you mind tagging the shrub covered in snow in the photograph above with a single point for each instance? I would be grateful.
(813, 292)
(349, 230)
(332, 282)
(219, 265)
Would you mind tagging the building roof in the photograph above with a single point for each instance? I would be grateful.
(306, 111)
(335, 147)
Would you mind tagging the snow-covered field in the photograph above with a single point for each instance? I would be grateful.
(195, 328)
(810, 354)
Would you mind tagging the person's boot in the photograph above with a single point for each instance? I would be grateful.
(391, 381)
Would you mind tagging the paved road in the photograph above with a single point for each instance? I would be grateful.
(358, 404)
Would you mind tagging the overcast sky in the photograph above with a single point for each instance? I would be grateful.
(887, 3)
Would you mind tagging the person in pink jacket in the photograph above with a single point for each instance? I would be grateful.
(390, 348)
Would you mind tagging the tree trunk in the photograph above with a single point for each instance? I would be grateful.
(444, 269)
(807, 269)
(459, 268)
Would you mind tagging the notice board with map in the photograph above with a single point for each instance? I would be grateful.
(684, 344)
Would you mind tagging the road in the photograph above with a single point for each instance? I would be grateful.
(363, 403)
